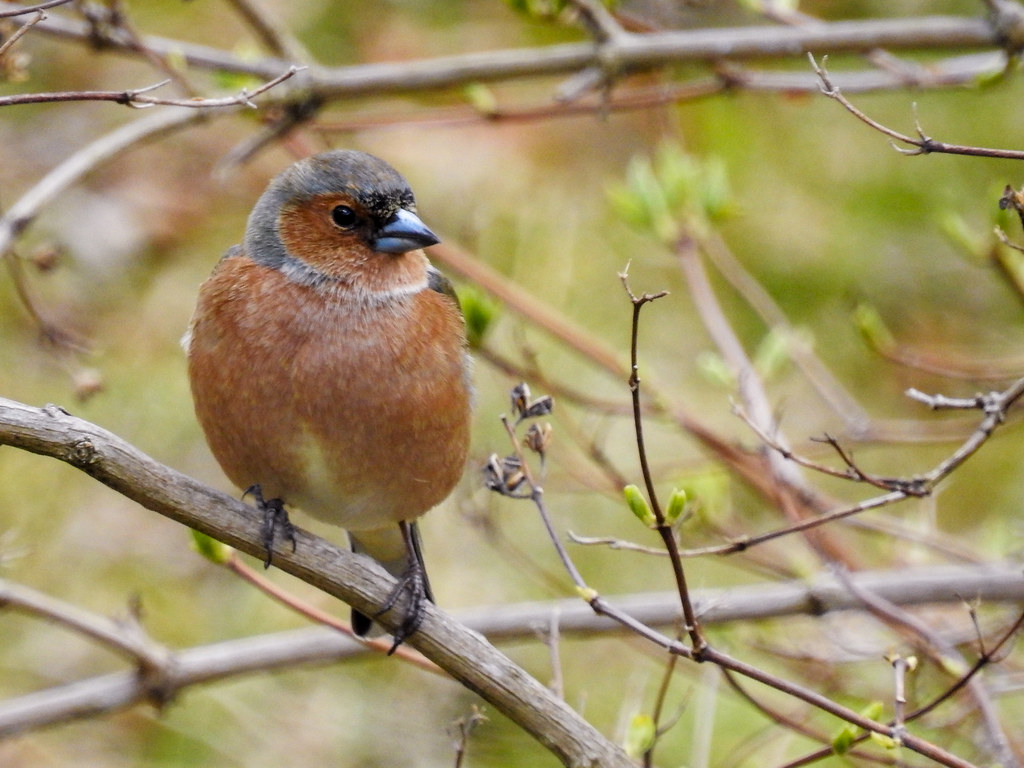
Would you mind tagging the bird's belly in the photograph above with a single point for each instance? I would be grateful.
(380, 468)
(356, 415)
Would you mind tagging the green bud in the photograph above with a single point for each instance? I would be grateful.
(538, 9)
(480, 311)
(672, 192)
(953, 667)
(653, 194)
(628, 206)
(639, 736)
(989, 78)
(845, 739)
(481, 98)
(213, 550)
(885, 742)
(638, 506)
(873, 711)
(676, 505)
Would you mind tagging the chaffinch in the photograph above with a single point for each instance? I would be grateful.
(328, 364)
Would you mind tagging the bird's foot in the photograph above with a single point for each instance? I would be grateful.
(275, 517)
(413, 583)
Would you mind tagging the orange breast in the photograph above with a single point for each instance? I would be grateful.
(356, 413)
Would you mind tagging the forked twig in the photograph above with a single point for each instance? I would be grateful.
(22, 30)
(922, 144)
(663, 527)
(994, 405)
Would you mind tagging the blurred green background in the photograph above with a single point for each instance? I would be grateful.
(826, 216)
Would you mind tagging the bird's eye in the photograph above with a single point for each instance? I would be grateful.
(344, 216)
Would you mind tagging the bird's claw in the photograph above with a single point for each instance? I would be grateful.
(413, 583)
(275, 517)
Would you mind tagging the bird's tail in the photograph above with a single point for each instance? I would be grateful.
(388, 548)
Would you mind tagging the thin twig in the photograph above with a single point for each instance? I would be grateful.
(22, 30)
(462, 729)
(915, 743)
(668, 674)
(944, 654)
(995, 406)
(33, 9)
(983, 661)
(138, 98)
(746, 542)
(796, 722)
(314, 614)
(612, 543)
(663, 527)
(900, 666)
(61, 338)
(922, 144)
(551, 636)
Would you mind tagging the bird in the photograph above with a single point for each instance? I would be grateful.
(329, 367)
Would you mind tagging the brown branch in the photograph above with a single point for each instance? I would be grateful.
(52, 432)
(210, 663)
(463, 654)
(630, 52)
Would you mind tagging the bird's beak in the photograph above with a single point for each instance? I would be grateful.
(402, 233)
